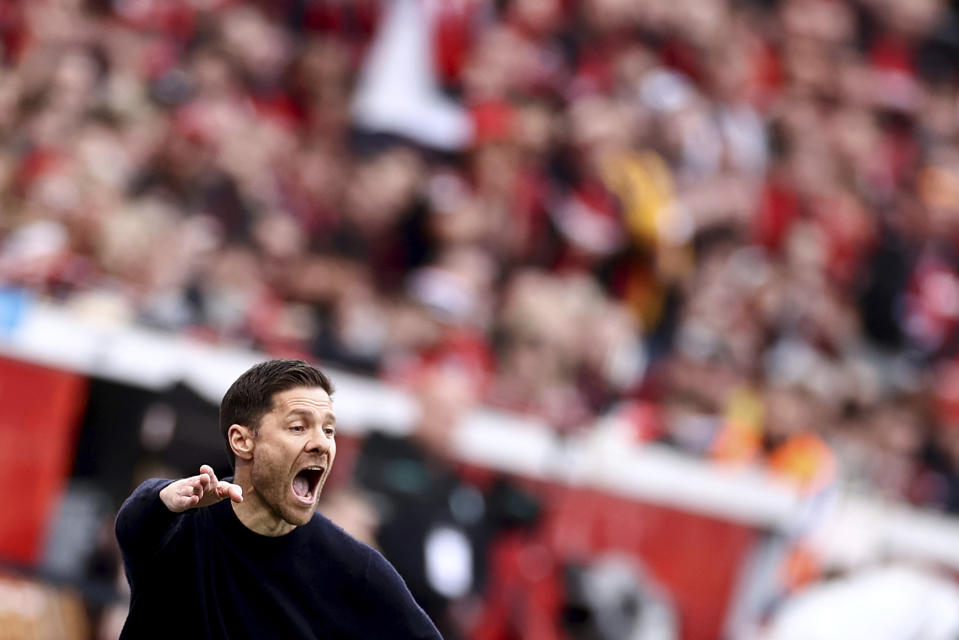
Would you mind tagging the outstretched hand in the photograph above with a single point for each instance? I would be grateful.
(199, 491)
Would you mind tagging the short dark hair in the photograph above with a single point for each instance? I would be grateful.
(250, 397)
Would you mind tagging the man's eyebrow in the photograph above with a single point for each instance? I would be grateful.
(306, 413)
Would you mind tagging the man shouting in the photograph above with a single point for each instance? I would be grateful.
(251, 557)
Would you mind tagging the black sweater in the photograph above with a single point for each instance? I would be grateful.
(203, 574)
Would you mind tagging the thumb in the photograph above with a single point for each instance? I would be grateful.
(230, 490)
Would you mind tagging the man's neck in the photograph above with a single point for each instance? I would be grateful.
(255, 514)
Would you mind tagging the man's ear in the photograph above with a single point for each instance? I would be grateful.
(241, 441)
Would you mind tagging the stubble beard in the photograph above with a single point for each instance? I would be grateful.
(273, 487)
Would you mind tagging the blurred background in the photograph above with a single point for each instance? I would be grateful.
(642, 313)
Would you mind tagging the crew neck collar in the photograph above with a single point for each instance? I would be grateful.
(227, 516)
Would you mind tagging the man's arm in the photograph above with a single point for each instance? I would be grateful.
(150, 512)
(394, 606)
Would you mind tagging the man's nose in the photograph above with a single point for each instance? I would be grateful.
(319, 442)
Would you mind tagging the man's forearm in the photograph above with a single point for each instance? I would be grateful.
(143, 520)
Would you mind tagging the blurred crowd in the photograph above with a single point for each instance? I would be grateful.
(730, 224)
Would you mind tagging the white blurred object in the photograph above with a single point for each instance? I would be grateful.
(449, 562)
(744, 134)
(665, 90)
(397, 92)
(32, 243)
(448, 296)
(881, 603)
(848, 535)
(624, 601)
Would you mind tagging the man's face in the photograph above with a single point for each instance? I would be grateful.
(293, 454)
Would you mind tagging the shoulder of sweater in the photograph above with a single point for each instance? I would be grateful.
(324, 530)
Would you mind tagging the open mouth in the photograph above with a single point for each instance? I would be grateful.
(306, 482)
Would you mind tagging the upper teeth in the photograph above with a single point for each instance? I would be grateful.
(314, 468)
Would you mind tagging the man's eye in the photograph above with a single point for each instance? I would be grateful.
(330, 431)
(296, 427)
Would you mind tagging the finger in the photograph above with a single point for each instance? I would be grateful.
(192, 487)
(236, 493)
(182, 494)
(228, 489)
(184, 500)
(206, 471)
